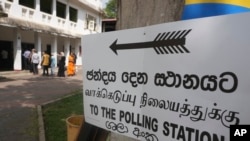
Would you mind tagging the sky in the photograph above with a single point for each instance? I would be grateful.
(104, 3)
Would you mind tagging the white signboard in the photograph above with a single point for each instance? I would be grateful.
(187, 80)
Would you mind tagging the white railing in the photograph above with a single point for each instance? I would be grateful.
(46, 18)
(61, 22)
(27, 13)
(7, 6)
(15, 10)
(72, 25)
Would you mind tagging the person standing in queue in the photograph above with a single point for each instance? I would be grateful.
(30, 59)
(35, 59)
(61, 65)
(71, 65)
(75, 58)
(52, 64)
(45, 63)
(26, 56)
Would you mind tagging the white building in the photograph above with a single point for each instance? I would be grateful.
(46, 25)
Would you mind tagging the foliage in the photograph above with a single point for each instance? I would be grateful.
(111, 9)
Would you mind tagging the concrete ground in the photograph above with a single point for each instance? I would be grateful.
(21, 93)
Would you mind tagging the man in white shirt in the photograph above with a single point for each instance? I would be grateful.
(35, 59)
(26, 56)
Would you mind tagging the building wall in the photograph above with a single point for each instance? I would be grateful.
(35, 15)
(4, 36)
(27, 36)
(34, 27)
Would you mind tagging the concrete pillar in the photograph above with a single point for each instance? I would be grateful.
(66, 49)
(38, 45)
(54, 8)
(17, 40)
(54, 48)
(36, 15)
(67, 16)
(67, 11)
(37, 7)
(54, 17)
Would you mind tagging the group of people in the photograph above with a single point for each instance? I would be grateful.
(32, 60)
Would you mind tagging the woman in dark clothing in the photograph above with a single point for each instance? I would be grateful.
(61, 65)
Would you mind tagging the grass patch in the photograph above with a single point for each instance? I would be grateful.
(55, 115)
(32, 130)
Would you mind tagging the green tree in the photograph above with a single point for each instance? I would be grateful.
(111, 9)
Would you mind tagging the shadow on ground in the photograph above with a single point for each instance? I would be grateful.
(19, 98)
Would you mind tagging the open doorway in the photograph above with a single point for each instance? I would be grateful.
(6, 56)
(48, 49)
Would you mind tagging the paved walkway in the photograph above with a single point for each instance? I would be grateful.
(20, 94)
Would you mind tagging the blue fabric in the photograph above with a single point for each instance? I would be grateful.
(211, 9)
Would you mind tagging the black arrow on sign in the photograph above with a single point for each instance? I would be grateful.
(164, 43)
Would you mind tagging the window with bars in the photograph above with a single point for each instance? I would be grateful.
(60, 10)
(46, 6)
(28, 3)
(90, 22)
(73, 14)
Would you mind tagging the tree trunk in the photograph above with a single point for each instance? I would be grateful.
(140, 13)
